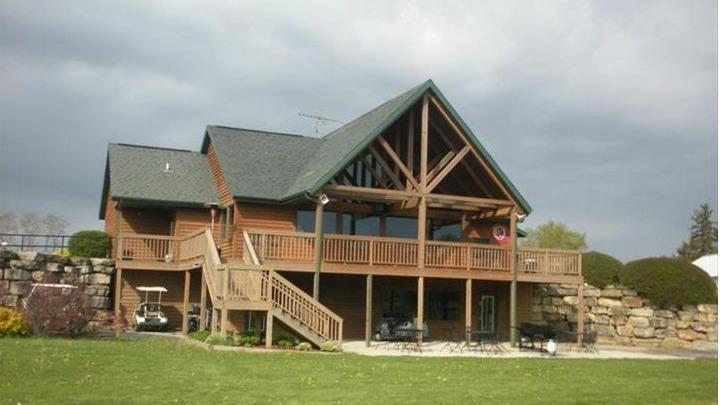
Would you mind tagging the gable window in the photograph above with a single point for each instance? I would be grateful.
(227, 220)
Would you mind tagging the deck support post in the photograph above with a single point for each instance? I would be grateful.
(513, 283)
(580, 313)
(368, 309)
(203, 300)
(420, 308)
(118, 297)
(186, 302)
(269, 330)
(468, 309)
(214, 320)
(318, 249)
(223, 320)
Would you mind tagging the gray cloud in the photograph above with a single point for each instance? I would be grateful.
(604, 114)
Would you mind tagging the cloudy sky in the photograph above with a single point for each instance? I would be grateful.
(603, 113)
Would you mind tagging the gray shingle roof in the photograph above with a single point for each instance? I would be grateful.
(137, 173)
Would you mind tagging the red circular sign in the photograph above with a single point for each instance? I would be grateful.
(499, 234)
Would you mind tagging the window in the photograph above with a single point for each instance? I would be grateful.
(305, 221)
(226, 222)
(443, 305)
(399, 303)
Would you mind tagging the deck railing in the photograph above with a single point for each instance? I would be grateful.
(365, 250)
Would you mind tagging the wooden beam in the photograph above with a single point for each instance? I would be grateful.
(368, 308)
(448, 167)
(375, 175)
(461, 199)
(468, 309)
(365, 192)
(460, 133)
(438, 163)
(203, 301)
(513, 283)
(396, 160)
(387, 169)
(422, 231)
(186, 302)
(420, 307)
(410, 147)
(318, 249)
(465, 164)
(424, 117)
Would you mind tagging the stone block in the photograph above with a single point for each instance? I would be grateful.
(605, 330)
(645, 312)
(656, 322)
(602, 320)
(592, 292)
(707, 308)
(4, 285)
(38, 276)
(705, 346)
(619, 320)
(632, 302)
(537, 308)
(8, 255)
(85, 269)
(54, 267)
(17, 274)
(99, 290)
(664, 313)
(537, 300)
(10, 300)
(536, 317)
(686, 315)
(625, 330)
(629, 293)
(705, 317)
(591, 301)
(570, 300)
(703, 326)
(666, 333)
(550, 309)
(557, 301)
(79, 261)
(644, 332)
(101, 262)
(98, 302)
(561, 291)
(547, 301)
(601, 310)
(606, 302)
(611, 292)
(689, 334)
(30, 256)
(20, 287)
(682, 324)
(711, 336)
(619, 312)
(638, 321)
(98, 278)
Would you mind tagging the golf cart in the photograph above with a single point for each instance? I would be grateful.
(150, 315)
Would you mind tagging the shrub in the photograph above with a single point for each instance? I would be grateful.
(12, 323)
(600, 269)
(200, 335)
(304, 347)
(89, 244)
(329, 346)
(247, 339)
(216, 339)
(668, 282)
(286, 340)
(58, 311)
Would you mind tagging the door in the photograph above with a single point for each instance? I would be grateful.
(487, 313)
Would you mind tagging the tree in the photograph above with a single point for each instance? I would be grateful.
(554, 235)
(8, 224)
(703, 235)
(55, 225)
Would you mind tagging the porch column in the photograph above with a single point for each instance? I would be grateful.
(318, 249)
(118, 297)
(214, 320)
(580, 313)
(268, 329)
(513, 284)
(422, 203)
(420, 306)
(203, 300)
(422, 232)
(186, 302)
(368, 309)
(223, 320)
(468, 309)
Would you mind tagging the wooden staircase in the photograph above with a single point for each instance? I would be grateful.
(247, 285)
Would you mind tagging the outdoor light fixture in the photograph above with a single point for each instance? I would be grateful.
(324, 199)
(521, 217)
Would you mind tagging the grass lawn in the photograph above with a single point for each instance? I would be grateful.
(145, 371)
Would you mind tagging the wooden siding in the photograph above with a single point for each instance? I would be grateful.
(222, 187)
(145, 221)
(258, 216)
(188, 220)
(109, 218)
(172, 300)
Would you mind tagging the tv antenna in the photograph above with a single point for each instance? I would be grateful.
(319, 120)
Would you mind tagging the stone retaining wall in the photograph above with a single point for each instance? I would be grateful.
(620, 316)
(19, 270)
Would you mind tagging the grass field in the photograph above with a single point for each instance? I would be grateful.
(88, 371)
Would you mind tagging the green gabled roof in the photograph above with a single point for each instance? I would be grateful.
(137, 174)
(276, 167)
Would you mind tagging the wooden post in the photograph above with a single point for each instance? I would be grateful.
(318, 249)
(420, 307)
(223, 309)
(203, 300)
(513, 284)
(269, 329)
(118, 297)
(468, 309)
(186, 302)
(422, 231)
(424, 144)
(214, 321)
(410, 147)
(580, 313)
(368, 309)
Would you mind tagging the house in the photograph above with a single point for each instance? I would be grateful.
(400, 213)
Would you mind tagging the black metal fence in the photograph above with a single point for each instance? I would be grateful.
(35, 242)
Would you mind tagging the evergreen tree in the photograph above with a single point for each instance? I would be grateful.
(703, 235)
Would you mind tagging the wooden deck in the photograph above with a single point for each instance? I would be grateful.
(346, 254)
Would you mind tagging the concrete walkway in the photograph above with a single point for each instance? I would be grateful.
(451, 349)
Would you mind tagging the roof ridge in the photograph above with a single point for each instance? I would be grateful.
(262, 131)
(132, 145)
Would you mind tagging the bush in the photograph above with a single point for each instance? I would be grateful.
(89, 244)
(600, 269)
(286, 340)
(200, 335)
(216, 339)
(12, 323)
(247, 339)
(57, 311)
(668, 282)
(304, 347)
(329, 346)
